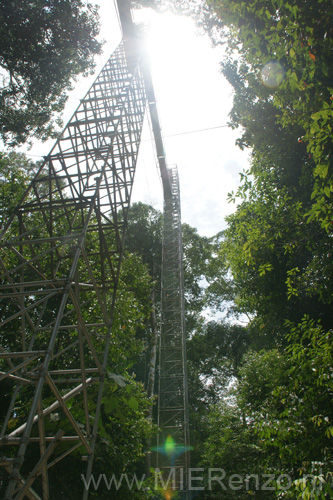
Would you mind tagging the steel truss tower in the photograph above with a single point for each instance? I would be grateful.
(172, 394)
(59, 268)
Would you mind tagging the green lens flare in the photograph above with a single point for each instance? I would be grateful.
(272, 74)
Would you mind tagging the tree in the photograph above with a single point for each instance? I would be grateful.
(15, 173)
(280, 264)
(44, 45)
(288, 47)
(277, 421)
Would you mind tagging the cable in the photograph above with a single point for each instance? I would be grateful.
(194, 131)
(151, 139)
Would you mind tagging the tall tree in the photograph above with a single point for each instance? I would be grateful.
(43, 46)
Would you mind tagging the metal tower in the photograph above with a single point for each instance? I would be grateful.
(173, 421)
(60, 257)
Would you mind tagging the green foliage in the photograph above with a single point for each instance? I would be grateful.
(234, 448)
(298, 37)
(197, 253)
(275, 255)
(15, 173)
(43, 47)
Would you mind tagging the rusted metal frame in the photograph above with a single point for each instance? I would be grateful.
(42, 447)
(20, 354)
(35, 327)
(50, 242)
(104, 171)
(57, 158)
(90, 171)
(104, 244)
(75, 154)
(74, 148)
(38, 256)
(76, 203)
(35, 283)
(103, 121)
(18, 367)
(99, 399)
(9, 362)
(50, 325)
(120, 181)
(12, 285)
(42, 179)
(82, 362)
(125, 155)
(108, 191)
(20, 299)
(80, 153)
(37, 201)
(73, 327)
(67, 412)
(26, 434)
(26, 292)
(70, 394)
(15, 440)
(72, 371)
(29, 262)
(13, 243)
(9, 411)
(65, 454)
(13, 216)
(30, 494)
(31, 306)
(61, 191)
(40, 464)
(73, 380)
(17, 379)
(71, 177)
(113, 206)
(94, 121)
(85, 331)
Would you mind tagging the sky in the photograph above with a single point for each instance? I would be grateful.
(193, 100)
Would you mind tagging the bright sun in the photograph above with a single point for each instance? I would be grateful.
(172, 45)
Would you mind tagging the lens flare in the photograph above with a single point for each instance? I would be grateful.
(272, 74)
(168, 494)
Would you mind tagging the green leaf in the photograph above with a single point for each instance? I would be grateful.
(321, 170)
(133, 403)
(327, 191)
(110, 404)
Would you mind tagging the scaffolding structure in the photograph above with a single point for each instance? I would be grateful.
(60, 257)
(59, 268)
(173, 422)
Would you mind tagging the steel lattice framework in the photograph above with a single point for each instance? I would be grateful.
(172, 394)
(59, 269)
